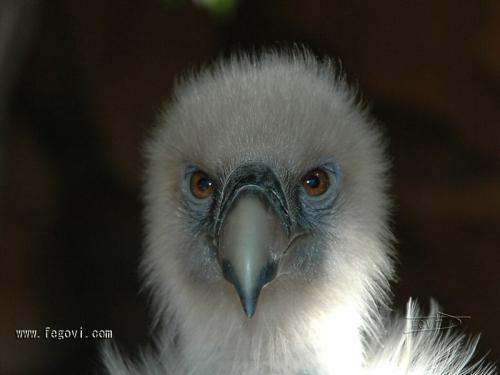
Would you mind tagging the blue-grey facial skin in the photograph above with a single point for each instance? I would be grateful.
(198, 210)
(315, 211)
(308, 216)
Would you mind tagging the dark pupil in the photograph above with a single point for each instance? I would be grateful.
(312, 181)
(204, 183)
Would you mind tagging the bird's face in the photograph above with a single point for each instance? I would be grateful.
(256, 221)
(264, 178)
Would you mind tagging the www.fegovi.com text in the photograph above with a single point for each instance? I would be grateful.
(49, 333)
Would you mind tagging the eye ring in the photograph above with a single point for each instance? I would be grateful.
(201, 185)
(316, 182)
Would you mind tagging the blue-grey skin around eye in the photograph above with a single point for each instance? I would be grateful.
(197, 209)
(317, 209)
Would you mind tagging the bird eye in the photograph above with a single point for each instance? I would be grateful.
(201, 185)
(316, 182)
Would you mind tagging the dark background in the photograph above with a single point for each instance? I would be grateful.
(83, 80)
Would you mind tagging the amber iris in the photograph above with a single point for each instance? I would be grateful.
(316, 182)
(201, 185)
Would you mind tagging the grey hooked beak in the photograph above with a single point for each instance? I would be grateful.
(253, 233)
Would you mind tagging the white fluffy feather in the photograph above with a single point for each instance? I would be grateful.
(288, 110)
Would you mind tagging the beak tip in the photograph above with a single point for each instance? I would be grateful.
(249, 308)
(249, 292)
(248, 298)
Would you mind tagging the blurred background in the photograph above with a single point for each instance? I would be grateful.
(81, 82)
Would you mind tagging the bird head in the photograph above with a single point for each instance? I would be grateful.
(265, 193)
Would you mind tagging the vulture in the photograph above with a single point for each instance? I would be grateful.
(267, 247)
